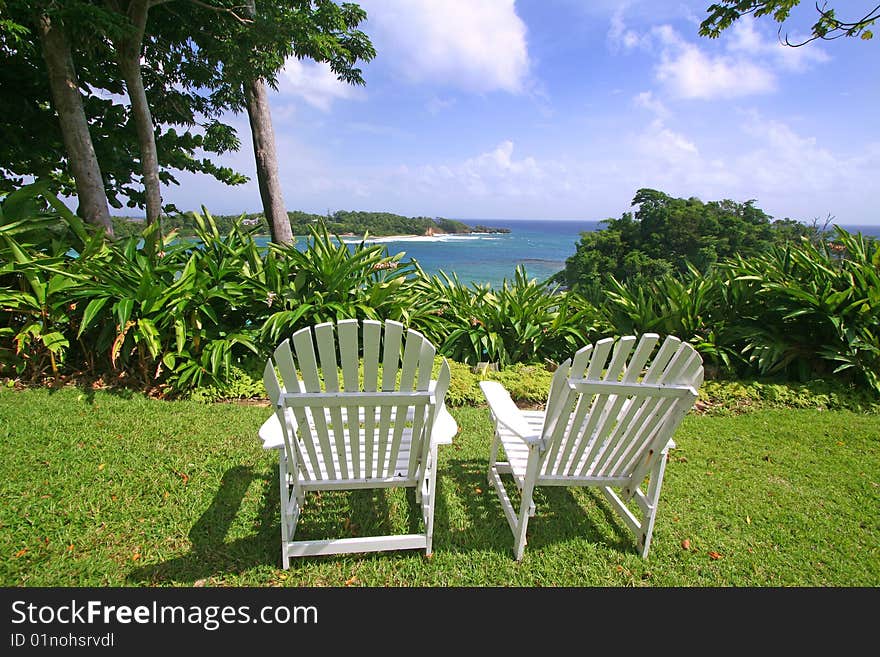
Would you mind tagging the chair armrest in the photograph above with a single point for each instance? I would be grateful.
(444, 429)
(506, 412)
(271, 434)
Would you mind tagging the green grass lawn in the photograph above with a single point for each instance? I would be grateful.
(100, 489)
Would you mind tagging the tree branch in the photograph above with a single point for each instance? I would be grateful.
(834, 25)
(224, 10)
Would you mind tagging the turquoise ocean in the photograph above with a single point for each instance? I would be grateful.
(541, 246)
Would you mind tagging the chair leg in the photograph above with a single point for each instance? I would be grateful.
(431, 494)
(285, 501)
(527, 505)
(493, 457)
(653, 496)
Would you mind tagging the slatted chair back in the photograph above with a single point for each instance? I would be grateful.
(352, 430)
(612, 409)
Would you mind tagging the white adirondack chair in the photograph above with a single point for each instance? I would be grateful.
(607, 424)
(367, 433)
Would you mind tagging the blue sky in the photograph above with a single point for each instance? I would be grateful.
(562, 109)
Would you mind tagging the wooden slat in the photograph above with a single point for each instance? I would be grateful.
(328, 400)
(661, 361)
(614, 402)
(642, 408)
(359, 544)
(437, 413)
(653, 412)
(426, 363)
(284, 361)
(308, 365)
(326, 339)
(390, 365)
(633, 369)
(372, 333)
(654, 439)
(618, 438)
(680, 367)
(333, 456)
(621, 388)
(411, 353)
(622, 349)
(594, 372)
(347, 330)
(274, 392)
(556, 398)
(578, 367)
(643, 403)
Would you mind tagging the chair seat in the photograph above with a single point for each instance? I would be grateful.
(445, 428)
(398, 473)
(516, 450)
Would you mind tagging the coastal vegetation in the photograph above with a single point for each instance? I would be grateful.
(75, 304)
(341, 222)
(667, 235)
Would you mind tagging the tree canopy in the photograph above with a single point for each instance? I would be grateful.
(667, 235)
(193, 60)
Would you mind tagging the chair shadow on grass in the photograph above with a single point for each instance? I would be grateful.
(560, 516)
(211, 554)
(337, 514)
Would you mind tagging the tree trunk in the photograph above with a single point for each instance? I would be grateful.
(128, 57)
(263, 137)
(267, 162)
(81, 156)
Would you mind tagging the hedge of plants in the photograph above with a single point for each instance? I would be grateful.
(176, 315)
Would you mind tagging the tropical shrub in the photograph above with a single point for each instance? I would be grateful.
(669, 235)
(811, 309)
(37, 232)
(525, 321)
(695, 307)
(328, 281)
(203, 312)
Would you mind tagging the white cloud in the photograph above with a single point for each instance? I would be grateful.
(785, 160)
(620, 36)
(688, 72)
(476, 45)
(650, 102)
(493, 174)
(744, 62)
(745, 39)
(660, 144)
(315, 83)
(437, 105)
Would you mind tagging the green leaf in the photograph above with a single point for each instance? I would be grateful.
(148, 330)
(55, 341)
(123, 309)
(91, 311)
(179, 334)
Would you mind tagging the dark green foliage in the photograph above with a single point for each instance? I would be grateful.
(341, 222)
(668, 234)
(809, 309)
(828, 26)
(183, 313)
(524, 321)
